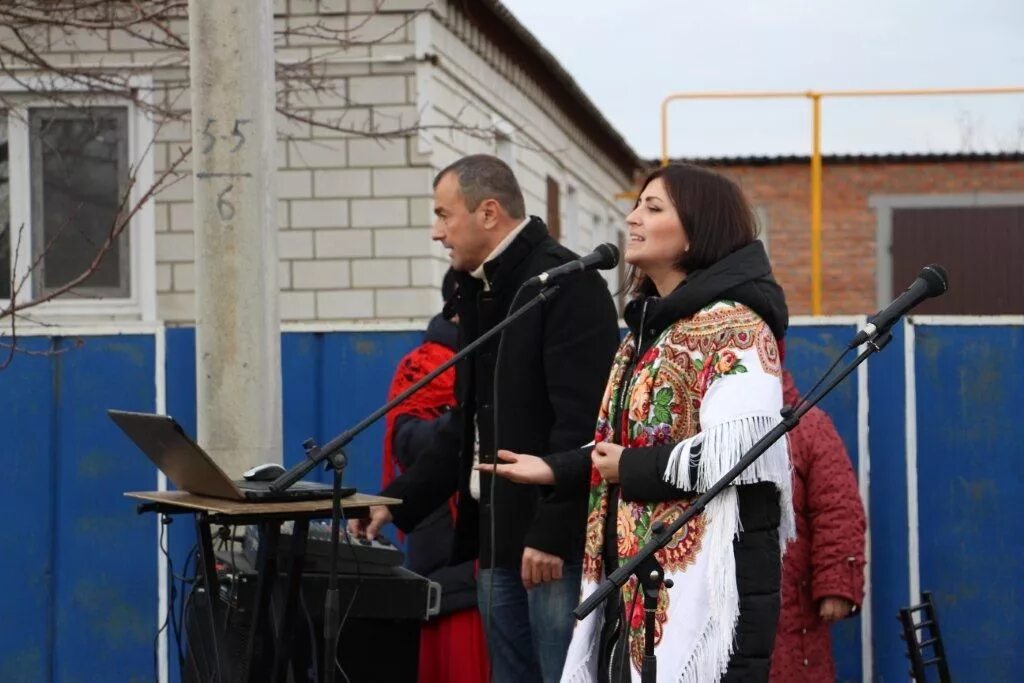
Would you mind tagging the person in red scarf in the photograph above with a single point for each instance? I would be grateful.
(452, 647)
(823, 568)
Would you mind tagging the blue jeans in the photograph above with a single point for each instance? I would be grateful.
(528, 631)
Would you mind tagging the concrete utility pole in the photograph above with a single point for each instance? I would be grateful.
(238, 342)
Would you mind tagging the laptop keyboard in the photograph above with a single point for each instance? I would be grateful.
(264, 485)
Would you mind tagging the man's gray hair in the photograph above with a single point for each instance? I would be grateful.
(482, 176)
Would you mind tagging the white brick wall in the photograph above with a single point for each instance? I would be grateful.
(382, 27)
(319, 213)
(284, 275)
(421, 209)
(402, 182)
(160, 215)
(408, 303)
(402, 242)
(176, 307)
(380, 273)
(355, 205)
(427, 272)
(322, 274)
(317, 154)
(92, 41)
(294, 184)
(176, 190)
(352, 243)
(339, 123)
(297, 305)
(345, 304)
(184, 276)
(163, 277)
(369, 152)
(181, 215)
(342, 183)
(387, 5)
(379, 213)
(377, 90)
(295, 244)
(175, 247)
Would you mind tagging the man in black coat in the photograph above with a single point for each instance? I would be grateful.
(550, 379)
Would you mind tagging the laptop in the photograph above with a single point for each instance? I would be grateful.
(191, 469)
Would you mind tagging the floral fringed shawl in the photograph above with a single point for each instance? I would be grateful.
(712, 384)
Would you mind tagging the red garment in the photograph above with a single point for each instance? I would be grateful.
(452, 649)
(827, 556)
(428, 403)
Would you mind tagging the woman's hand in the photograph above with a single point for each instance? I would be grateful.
(834, 608)
(605, 457)
(520, 468)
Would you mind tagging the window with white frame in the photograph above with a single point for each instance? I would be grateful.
(78, 171)
(65, 184)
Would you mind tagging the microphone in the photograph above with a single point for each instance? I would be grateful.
(604, 257)
(931, 281)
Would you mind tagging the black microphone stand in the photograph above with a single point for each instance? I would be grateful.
(334, 451)
(645, 566)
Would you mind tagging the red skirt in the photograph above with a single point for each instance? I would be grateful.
(453, 650)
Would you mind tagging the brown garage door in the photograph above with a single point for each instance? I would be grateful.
(982, 249)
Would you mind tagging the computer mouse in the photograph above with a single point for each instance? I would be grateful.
(268, 471)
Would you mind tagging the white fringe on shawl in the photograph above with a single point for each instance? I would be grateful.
(736, 411)
(721, 448)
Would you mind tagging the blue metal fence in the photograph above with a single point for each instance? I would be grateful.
(79, 573)
(78, 582)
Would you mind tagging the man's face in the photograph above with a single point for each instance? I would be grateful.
(457, 228)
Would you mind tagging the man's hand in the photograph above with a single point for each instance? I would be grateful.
(834, 608)
(540, 567)
(520, 468)
(605, 457)
(370, 526)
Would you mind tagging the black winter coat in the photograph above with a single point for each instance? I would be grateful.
(429, 546)
(551, 376)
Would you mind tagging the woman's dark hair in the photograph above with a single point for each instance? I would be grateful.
(715, 215)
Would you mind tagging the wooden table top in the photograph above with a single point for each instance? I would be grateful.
(224, 506)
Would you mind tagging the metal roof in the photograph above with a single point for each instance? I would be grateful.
(855, 159)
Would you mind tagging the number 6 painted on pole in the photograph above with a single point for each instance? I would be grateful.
(224, 207)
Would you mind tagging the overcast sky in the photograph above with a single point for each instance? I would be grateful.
(627, 55)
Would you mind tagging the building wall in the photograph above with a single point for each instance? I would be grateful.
(354, 205)
(346, 194)
(354, 209)
(471, 90)
(781, 194)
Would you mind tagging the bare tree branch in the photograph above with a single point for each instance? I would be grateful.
(38, 41)
(123, 219)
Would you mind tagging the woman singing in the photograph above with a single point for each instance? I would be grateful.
(695, 383)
